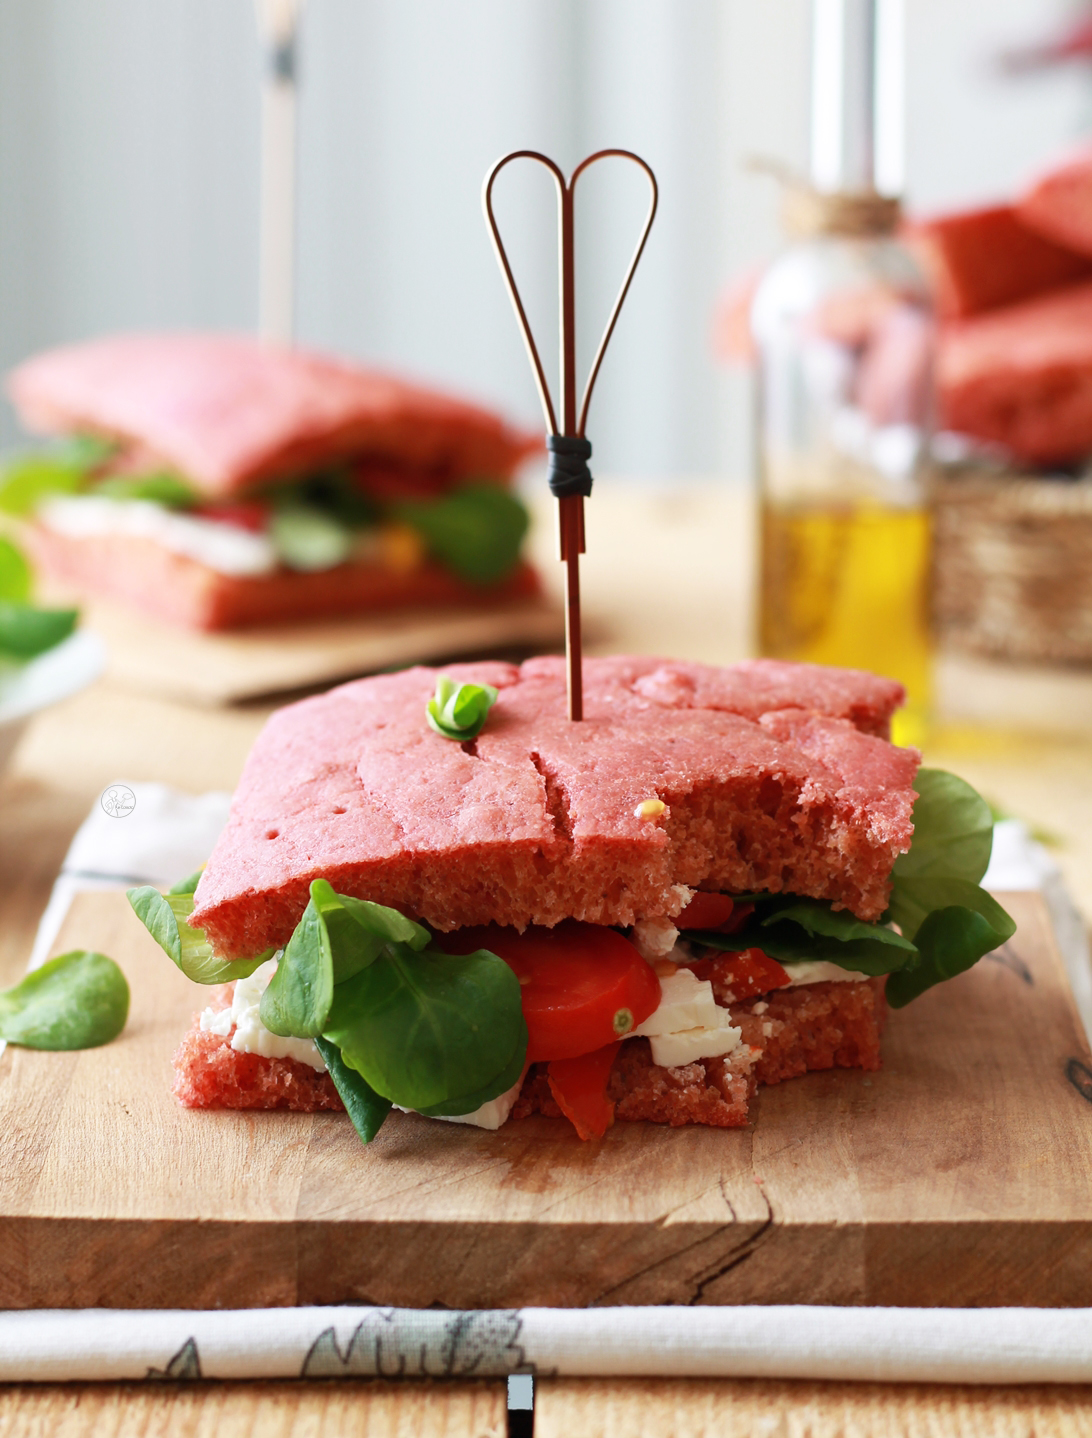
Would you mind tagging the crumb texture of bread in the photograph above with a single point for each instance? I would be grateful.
(774, 775)
(209, 1073)
(190, 595)
(815, 1026)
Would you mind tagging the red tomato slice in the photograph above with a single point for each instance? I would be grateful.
(751, 973)
(583, 985)
(714, 911)
(580, 1088)
(706, 911)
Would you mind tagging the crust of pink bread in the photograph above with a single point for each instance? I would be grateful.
(190, 595)
(766, 786)
(817, 1026)
(228, 412)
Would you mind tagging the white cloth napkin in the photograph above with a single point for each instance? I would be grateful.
(163, 837)
(167, 835)
(977, 1345)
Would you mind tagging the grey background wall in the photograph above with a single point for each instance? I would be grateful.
(128, 177)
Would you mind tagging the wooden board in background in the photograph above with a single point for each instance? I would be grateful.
(959, 1175)
(229, 667)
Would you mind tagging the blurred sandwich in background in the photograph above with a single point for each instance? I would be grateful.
(217, 483)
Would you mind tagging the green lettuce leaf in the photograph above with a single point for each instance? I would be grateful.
(26, 631)
(77, 1001)
(953, 831)
(29, 479)
(423, 1028)
(476, 531)
(296, 1002)
(793, 930)
(14, 573)
(308, 538)
(164, 916)
(950, 941)
(363, 1105)
(188, 885)
(470, 1102)
(165, 489)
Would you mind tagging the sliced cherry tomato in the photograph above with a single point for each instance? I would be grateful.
(748, 973)
(245, 514)
(706, 911)
(583, 985)
(580, 1088)
(719, 912)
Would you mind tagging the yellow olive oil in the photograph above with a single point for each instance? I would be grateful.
(849, 585)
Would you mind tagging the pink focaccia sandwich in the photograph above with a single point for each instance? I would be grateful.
(436, 892)
(220, 483)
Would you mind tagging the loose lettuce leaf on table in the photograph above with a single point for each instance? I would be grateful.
(26, 631)
(77, 1001)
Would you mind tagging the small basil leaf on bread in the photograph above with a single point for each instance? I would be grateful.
(366, 1109)
(459, 711)
(79, 1000)
(424, 1027)
(164, 916)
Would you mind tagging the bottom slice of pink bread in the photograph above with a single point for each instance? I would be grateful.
(785, 1033)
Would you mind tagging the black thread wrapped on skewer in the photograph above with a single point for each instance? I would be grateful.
(568, 473)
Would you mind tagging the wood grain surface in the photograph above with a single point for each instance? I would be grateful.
(956, 1176)
(253, 1410)
(700, 1408)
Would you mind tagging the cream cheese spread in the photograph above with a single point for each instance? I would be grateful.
(226, 548)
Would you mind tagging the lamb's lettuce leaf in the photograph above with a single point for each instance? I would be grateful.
(14, 573)
(165, 915)
(426, 1029)
(363, 1105)
(26, 631)
(165, 489)
(953, 830)
(77, 1001)
(476, 531)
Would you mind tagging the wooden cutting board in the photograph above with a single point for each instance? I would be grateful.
(227, 668)
(959, 1175)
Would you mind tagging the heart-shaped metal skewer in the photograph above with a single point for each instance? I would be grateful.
(570, 480)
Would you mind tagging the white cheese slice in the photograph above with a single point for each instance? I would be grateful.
(491, 1114)
(686, 1002)
(227, 548)
(688, 1024)
(818, 971)
(251, 1035)
(673, 1050)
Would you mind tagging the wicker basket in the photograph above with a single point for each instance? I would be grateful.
(1013, 566)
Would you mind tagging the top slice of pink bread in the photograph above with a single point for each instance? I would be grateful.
(774, 775)
(226, 411)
